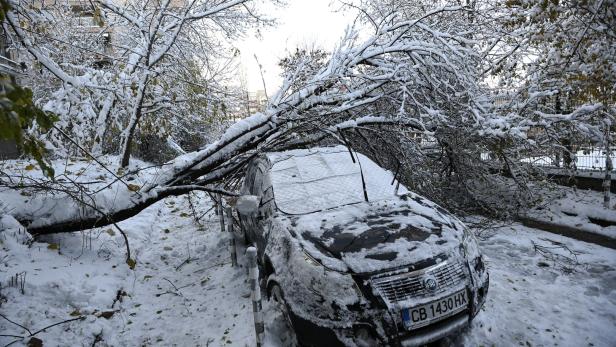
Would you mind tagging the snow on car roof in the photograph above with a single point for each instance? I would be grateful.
(310, 180)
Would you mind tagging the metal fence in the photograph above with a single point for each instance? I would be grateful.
(583, 156)
(582, 159)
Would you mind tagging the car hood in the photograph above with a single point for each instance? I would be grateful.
(372, 237)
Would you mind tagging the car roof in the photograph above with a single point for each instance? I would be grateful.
(310, 180)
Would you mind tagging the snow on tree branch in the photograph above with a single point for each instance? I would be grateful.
(397, 66)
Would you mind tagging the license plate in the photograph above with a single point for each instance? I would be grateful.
(419, 316)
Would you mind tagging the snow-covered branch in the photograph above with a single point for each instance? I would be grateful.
(339, 97)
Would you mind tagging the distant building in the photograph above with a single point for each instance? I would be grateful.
(248, 104)
(501, 99)
(257, 101)
(9, 68)
(86, 19)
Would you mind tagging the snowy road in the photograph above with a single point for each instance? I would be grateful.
(183, 291)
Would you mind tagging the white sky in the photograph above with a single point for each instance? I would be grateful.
(301, 23)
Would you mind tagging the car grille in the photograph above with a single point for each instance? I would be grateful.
(409, 285)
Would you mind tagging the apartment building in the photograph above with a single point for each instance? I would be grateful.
(257, 101)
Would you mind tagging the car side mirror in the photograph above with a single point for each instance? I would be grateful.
(247, 205)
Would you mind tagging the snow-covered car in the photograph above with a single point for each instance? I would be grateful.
(354, 259)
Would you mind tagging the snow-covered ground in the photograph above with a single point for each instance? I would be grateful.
(184, 292)
(538, 301)
(581, 209)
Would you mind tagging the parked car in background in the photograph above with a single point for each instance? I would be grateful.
(353, 261)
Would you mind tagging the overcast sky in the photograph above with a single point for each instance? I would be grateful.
(300, 23)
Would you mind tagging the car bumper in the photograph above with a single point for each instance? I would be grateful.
(436, 331)
(384, 328)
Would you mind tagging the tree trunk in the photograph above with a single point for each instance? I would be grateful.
(93, 218)
(127, 144)
(129, 132)
(567, 157)
(102, 124)
(607, 181)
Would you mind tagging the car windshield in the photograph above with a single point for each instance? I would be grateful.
(306, 181)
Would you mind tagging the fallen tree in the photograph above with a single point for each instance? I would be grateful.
(340, 96)
(412, 77)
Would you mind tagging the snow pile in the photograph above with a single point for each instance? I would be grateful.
(582, 209)
(57, 281)
(533, 302)
(407, 231)
(183, 290)
(96, 181)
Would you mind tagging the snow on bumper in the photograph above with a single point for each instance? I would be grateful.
(362, 318)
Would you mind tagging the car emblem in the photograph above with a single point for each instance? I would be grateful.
(430, 283)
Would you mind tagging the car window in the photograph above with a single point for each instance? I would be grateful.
(306, 181)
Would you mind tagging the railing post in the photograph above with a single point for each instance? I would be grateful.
(230, 227)
(607, 181)
(221, 213)
(253, 277)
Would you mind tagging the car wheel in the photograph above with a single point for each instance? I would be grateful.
(287, 334)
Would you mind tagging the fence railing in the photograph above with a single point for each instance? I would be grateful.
(582, 159)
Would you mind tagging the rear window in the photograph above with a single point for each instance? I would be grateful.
(306, 181)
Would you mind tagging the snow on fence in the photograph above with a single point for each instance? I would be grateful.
(586, 156)
(585, 159)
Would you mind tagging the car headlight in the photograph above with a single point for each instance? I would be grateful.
(469, 245)
(477, 264)
(308, 258)
(328, 277)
